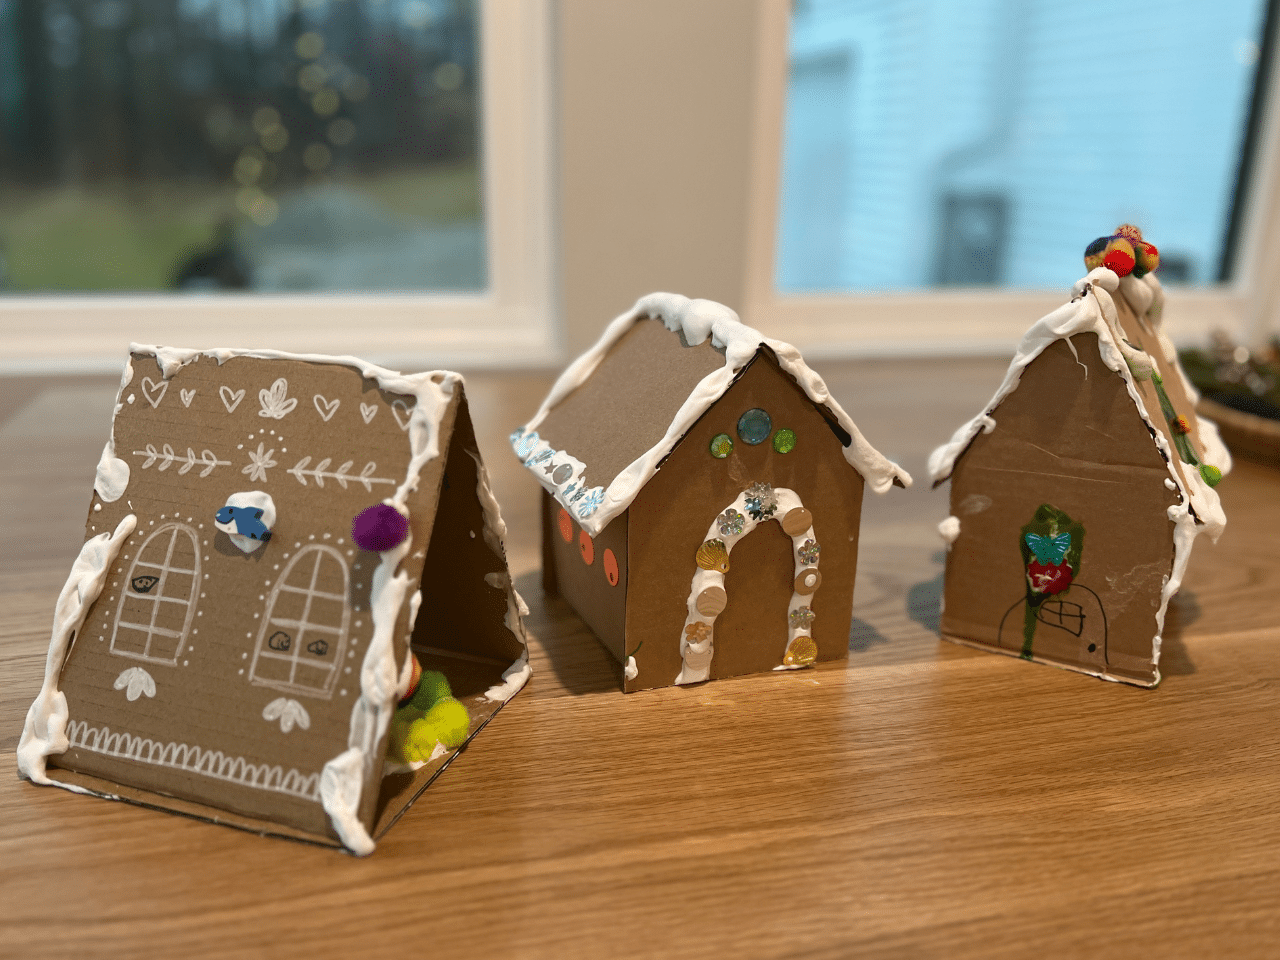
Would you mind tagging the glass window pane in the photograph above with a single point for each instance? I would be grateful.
(267, 145)
(933, 142)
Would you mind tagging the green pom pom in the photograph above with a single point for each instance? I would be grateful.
(432, 688)
(1210, 473)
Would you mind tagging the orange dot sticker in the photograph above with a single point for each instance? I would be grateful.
(566, 525)
(587, 547)
(610, 563)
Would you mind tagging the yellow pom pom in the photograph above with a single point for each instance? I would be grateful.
(451, 722)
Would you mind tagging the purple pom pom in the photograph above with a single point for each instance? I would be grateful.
(379, 528)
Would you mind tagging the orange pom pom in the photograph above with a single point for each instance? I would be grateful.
(1147, 258)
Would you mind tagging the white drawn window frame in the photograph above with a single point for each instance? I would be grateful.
(978, 321)
(298, 638)
(191, 603)
(512, 322)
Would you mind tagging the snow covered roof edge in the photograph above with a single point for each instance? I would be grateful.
(1092, 310)
(696, 320)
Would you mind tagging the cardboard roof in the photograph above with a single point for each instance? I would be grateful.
(206, 397)
(620, 409)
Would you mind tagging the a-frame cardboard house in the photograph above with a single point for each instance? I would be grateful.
(702, 495)
(1077, 492)
(232, 643)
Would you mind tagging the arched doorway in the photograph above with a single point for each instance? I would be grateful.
(707, 596)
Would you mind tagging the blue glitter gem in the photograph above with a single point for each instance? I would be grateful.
(754, 426)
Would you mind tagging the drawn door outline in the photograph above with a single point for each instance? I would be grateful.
(155, 595)
(297, 650)
(696, 654)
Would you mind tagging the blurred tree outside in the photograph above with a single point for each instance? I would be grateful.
(267, 144)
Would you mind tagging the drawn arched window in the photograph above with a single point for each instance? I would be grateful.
(158, 601)
(303, 637)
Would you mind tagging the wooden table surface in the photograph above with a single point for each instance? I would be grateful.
(924, 800)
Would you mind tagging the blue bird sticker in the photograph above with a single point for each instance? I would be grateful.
(248, 521)
(1048, 549)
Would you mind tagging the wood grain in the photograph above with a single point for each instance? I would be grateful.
(924, 800)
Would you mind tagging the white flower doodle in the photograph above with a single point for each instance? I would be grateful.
(276, 403)
(138, 681)
(259, 464)
(288, 712)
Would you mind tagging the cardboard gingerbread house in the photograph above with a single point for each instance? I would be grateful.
(1078, 491)
(702, 495)
(280, 549)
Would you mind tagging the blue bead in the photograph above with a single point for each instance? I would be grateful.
(754, 426)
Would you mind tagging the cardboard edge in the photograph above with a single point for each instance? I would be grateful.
(1060, 664)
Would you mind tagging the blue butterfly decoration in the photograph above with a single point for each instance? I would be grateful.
(1049, 549)
(248, 521)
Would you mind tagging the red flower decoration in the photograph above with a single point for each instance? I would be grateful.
(1048, 579)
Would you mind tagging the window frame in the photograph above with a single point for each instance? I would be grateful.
(980, 321)
(512, 323)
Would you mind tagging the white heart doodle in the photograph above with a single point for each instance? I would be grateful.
(326, 408)
(368, 411)
(150, 387)
(187, 397)
(230, 398)
(396, 407)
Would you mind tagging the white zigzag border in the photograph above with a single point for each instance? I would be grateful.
(181, 756)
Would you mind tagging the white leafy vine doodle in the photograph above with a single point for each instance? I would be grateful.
(138, 682)
(288, 712)
(168, 458)
(276, 403)
(342, 474)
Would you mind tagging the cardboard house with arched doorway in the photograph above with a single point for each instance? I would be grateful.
(279, 549)
(702, 496)
(1078, 490)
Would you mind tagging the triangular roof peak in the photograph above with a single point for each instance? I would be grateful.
(671, 382)
(1093, 309)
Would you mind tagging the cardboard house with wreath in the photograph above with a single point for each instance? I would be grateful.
(280, 549)
(1077, 492)
(702, 494)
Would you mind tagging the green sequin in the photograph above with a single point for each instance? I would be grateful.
(721, 446)
(784, 441)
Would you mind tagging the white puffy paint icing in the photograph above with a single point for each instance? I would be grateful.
(257, 499)
(112, 478)
(696, 657)
(949, 529)
(44, 732)
(630, 671)
(1092, 310)
(696, 320)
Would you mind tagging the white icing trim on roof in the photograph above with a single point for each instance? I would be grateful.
(696, 320)
(1093, 311)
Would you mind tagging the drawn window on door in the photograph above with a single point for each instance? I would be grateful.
(158, 601)
(303, 637)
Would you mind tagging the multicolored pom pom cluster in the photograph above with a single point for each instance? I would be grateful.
(1123, 253)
